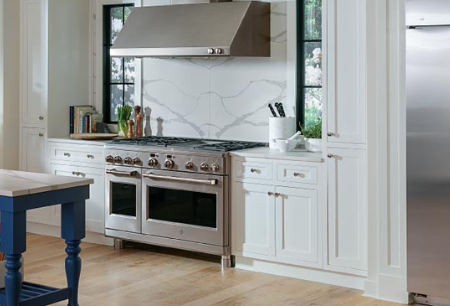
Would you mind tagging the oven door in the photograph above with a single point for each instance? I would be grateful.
(123, 199)
(185, 206)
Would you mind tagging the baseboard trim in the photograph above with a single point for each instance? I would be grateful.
(55, 231)
(388, 288)
(308, 274)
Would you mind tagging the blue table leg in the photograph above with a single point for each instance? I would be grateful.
(73, 230)
(13, 245)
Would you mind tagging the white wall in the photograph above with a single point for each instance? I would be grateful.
(68, 61)
(224, 98)
(10, 19)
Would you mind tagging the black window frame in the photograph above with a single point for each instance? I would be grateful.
(301, 67)
(107, 61)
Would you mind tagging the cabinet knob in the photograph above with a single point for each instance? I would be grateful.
(66, 154)
(330, 155)
(270, 193)
(330, 134)
(41, 118)
(41, 134)
(297, 174)
(90, 156)
(253, 170)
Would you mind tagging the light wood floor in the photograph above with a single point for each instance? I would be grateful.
(140, 276)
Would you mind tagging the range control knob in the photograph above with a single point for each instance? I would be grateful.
(109, 159)
(153, 162)
(128, 161)
(219, 50)
(215, 167)
(169, 164)
(189, 165)
(117, 159)
(211, 51)
(137, 161)
(204, 167)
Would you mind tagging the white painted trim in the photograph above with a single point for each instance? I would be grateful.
(1, 85)
(55, 231)
(308, 274)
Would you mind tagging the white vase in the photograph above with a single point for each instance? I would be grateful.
(280, 128)
(313, 145)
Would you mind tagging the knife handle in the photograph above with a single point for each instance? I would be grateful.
(280, 109)
(272, 110)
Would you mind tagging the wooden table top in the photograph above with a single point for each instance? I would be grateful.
(19, 183)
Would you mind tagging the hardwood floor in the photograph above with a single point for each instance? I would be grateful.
(142, 276)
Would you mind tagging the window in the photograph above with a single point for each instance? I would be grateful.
(118, 73)
(309, 61)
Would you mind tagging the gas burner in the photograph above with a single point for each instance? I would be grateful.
(190, 143)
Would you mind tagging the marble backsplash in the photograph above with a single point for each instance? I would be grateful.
(220, 98)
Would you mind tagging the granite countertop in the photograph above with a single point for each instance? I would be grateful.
(18, 183)
(297, 155)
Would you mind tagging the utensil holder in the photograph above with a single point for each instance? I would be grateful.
(280, 127)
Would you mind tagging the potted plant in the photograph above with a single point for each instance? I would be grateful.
(123, 115)
(313, 136)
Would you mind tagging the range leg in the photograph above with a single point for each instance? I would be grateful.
(73, 230)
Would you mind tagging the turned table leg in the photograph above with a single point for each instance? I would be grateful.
(13, 245)
(73, 230)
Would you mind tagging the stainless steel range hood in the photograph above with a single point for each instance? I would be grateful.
(196, 30)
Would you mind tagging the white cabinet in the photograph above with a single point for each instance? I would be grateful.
(297, 224)
(347, 208)
(346, 67)
(34, 62)
(95, 205)
(277, 220)
(33, 142)
(255, 218)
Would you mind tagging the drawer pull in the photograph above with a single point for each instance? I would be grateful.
(41, 118)
(296, 174)
(90, 156)
(277, 194)
(41, 134)
(78, 174)
(253, 170)
(330, 156)
(270, 193)
(66, 154)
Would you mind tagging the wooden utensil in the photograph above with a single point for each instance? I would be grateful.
(94, 136)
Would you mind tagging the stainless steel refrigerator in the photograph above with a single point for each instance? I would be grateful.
(428, 149)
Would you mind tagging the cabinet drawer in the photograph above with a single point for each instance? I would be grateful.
(297, 174)
(82, 154)
(254, 170)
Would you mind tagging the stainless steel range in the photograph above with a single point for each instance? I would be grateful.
(172, 192)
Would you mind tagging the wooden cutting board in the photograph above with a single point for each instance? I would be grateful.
(94, 136)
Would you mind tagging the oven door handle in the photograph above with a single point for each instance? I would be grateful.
(179, 179)
(122, 173)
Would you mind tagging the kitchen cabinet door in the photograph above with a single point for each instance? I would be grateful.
(346, 71)
(32, 150)
(34, 62)
(254, 215)
(32, 159)
(347, 209)
(297, 224)
(95, 206)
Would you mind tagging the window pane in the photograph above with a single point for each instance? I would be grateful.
(313, 64)
(313, 105)
(116, 22)
(116, 100)
(130, 68)
(129, 95)
(116, 70)
(313, 19)
(128, 10)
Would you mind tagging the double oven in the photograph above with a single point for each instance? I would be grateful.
(162, 206)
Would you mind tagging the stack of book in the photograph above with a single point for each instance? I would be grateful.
(84, 119)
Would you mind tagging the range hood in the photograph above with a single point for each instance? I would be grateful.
(196, 30)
